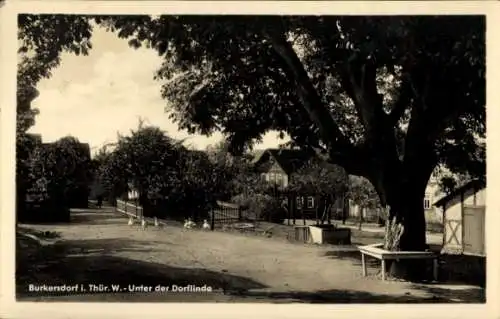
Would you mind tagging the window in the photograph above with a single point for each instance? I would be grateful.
(427, 202)
(310, 202)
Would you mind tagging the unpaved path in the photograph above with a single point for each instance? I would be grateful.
(263, 269)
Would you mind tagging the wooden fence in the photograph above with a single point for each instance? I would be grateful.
(129, 208)
(225, 213)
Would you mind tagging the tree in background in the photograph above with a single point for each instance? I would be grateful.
(380, 96)
(147, 161)
(59, 173)
(170, 179)
(242, 178)
(79, 178)
(362, 194)
(325, 180)
(450, 182)
(200, 183)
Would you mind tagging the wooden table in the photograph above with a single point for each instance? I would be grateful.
(377, 252)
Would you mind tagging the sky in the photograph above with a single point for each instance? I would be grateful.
(93, 97)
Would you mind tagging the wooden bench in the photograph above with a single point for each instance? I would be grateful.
(376, 251)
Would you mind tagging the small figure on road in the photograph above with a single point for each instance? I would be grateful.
(188, 224)
(130, 221)
(156, 222)
(99, 201)
(205, 225)
(144, 223)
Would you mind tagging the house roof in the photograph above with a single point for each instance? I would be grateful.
(290, 160)
(474, 184)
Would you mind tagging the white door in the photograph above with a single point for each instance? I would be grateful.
(474, 230)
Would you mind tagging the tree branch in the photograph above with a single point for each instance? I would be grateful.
(358, 79)
(309, 97)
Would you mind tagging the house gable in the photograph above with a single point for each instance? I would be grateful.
(288, 160)
(275, 167)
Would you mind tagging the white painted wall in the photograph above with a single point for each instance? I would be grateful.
(453, 212)
(481, 197)
(273, 170)
(432, 194)
(452, 218)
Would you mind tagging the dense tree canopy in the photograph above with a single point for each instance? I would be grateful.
(145, 160)
(168, 177)
(59, 170)
(231, 73)
(327, 181)
(319, 178)
(240, 74)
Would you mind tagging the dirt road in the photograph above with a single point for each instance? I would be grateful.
(98, 247)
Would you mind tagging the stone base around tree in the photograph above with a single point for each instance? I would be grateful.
(329, 234)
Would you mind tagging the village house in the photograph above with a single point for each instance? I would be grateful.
(433, 214)
(276, 167)
(464, 219)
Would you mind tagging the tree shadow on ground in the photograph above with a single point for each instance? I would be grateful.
(339, 296)
(461, 295)
(86, 262)
(453, 269)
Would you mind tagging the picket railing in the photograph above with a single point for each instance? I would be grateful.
(129, 208)
(225, 213)
(222, 213)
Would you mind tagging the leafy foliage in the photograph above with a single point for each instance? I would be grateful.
(320, 178)
(362, 193)
(59, 170)
(227, 72)
(166, 175)
(42, 39)
(145, 161)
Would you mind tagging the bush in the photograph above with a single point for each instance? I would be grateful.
(261, 207)
(274, 213)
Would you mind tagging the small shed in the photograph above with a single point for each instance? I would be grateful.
(464, 219)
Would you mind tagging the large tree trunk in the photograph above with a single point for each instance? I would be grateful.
(408, 228)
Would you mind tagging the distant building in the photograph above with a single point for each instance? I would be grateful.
(276, 167)
(37, 138)
(433, 214)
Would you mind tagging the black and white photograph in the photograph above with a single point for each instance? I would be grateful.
(250, 158)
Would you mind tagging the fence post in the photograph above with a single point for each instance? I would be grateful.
(212, 221)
